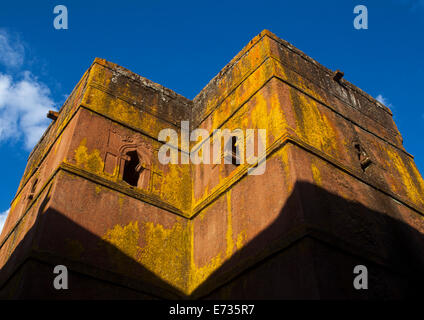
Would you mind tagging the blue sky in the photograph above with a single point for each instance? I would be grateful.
(183, 44)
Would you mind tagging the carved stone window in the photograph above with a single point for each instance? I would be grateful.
(232, 150)
(135, 166)
(364, 159)
(132, 169)
(33, 188)
(234, 155)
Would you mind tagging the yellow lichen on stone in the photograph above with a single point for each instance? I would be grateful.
(125, 238)
(267, 114)
(124, 112)
(15, 202)
(57, 143)
(90, 161)
(98, 189)
(412, 181)
(419, 178)
(229, 235)
(316, 174)
(241, 94)
(252, 58)
(176, 186)
(165, 252)
(283, 155)
(241, 239)
(313, 126)
(197, 275)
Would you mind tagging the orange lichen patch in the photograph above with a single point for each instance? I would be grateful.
(165, 252)
(89, 161)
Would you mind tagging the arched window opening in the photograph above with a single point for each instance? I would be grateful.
(363, 157)
(132, 169)
(234, 156)
(33, 188)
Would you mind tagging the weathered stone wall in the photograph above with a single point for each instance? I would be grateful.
(213, 231)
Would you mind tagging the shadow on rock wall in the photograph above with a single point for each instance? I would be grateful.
(309, 252)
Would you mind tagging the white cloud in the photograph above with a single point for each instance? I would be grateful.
(381, 99)
(11, 52)
(384, 101)
(3, 217)
(24, 104)
(24, 101)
